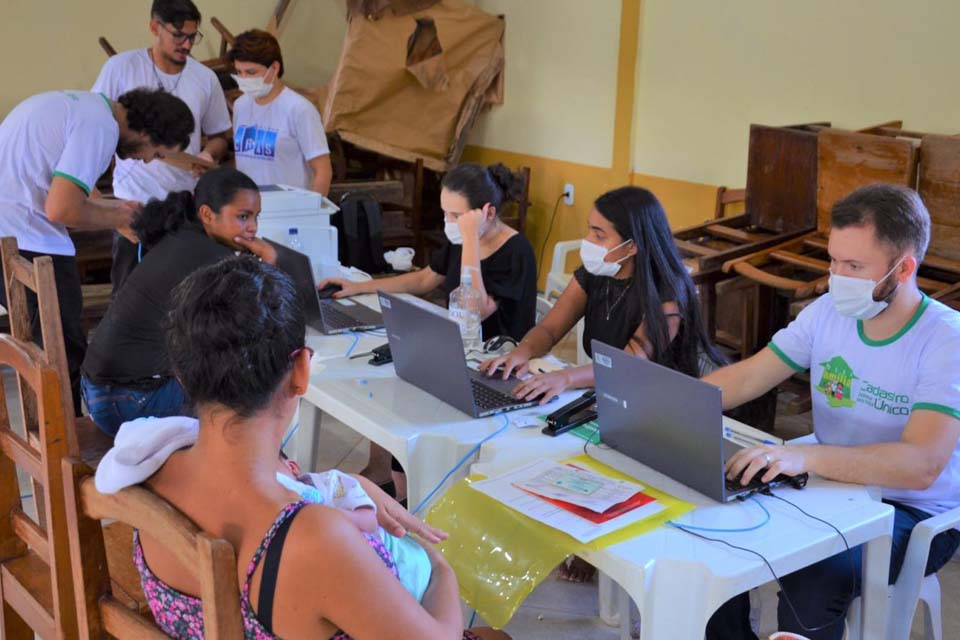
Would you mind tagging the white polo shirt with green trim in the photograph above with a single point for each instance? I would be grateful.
(71, 134)
(864, 390)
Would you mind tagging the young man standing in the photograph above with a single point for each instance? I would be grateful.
(166, 65)
(53, 147)
(885, 379)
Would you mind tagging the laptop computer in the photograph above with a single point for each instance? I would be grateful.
(669, 421)
(428, 353)
(327, 316)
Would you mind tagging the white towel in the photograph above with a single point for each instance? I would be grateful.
(140, 449)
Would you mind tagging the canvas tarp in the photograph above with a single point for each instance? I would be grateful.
(410, 86)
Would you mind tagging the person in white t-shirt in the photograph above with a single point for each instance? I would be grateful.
(885, 381)
(278, 137)
(53, 147)
(174, 26)
(167, 65)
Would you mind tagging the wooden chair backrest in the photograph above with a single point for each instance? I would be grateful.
(848, 160)
(725, 197)
(515, 213)
(939, 187)
(24, 278)
(33, 552)
(782, 177)
(99, 611)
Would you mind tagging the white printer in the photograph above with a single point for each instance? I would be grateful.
(283, 208)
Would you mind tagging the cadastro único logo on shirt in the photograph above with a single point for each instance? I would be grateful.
(837, 384)
(254, 142)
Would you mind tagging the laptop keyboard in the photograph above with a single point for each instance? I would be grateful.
(335, 319)
(488, 398)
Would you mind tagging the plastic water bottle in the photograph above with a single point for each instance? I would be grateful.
(293, 239)
(464, 309)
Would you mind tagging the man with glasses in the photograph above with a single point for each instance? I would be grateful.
(166, 65)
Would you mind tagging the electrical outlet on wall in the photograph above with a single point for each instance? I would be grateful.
(568, 193)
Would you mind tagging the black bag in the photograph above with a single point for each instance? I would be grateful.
(359, 226)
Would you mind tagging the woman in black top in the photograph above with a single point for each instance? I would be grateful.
(125, 374)
(477, 240)
(633, 293)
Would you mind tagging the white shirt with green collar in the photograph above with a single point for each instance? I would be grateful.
(865, 390)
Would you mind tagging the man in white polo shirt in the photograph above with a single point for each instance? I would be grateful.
(53, 147)
(167, 65)
(884, 362)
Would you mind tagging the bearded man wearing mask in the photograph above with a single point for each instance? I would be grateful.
(166, 65)
(890, 355)
(278, 134)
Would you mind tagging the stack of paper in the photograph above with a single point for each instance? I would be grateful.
(581, 503)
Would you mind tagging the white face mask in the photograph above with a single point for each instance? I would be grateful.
(592, 255)
(253, 87)
(853, 297)
(452, 231)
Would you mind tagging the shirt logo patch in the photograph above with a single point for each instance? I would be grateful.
(254, 142)
(836, 382)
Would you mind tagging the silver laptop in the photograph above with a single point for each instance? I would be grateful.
(327, 316)
(668, 421)
(428, 353)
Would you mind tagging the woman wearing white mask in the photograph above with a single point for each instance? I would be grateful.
(477, 239)
(278, 135)
(633, 292)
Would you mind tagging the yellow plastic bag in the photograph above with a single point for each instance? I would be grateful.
(500, 555)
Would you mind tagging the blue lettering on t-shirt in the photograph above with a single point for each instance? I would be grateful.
(254, 142)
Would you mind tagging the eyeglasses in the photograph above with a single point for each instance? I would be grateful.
(297, 352)
(179, 37)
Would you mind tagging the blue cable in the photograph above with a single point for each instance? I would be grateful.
(289, 435)
(473, 618)
(463, 460)
(139, 252)
(356, 340)
(690, 527)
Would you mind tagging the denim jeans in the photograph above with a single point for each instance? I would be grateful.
(822, 592)
(111, 405)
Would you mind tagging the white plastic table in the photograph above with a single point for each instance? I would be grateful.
(678, 581)
(427, 436)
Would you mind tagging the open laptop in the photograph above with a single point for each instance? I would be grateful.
(428, 353)
(669, 421)
(327, 316)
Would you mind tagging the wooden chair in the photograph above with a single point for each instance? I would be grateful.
(99, 612)
(848, 160)
(780, 198)
(726, 197)
(23, 278)
(37, 592)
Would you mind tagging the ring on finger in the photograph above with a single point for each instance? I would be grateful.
(767, 457)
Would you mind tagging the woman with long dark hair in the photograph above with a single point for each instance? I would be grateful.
(125, 374)
(236, 341)
(634, 293)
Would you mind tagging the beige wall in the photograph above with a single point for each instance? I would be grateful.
(708, 68)
(560, 80)
(52, 44)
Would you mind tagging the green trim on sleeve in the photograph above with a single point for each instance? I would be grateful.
(939, 408)
(899, 334)
(108, 101)
(76, 181)
(786, 359)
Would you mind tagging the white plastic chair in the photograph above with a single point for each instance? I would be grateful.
(557, 281)
(912, 586)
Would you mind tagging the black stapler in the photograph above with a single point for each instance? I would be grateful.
(574, 414)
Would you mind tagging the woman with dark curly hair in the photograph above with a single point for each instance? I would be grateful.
(236, 342)
(126, 374)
